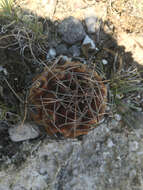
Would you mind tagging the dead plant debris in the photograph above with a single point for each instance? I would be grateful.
(68, 100)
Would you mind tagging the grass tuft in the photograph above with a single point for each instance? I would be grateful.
(6, 7)
(126, 88)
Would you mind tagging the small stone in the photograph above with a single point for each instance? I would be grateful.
(61, 49)
(88, 40)
(24, 132)
(74, 51)
(71, 30)
(133, 146)
(87, 45)
(114, 123)
(110, 144)
(104, 61)
(128, 101)
(117, 117)
(108, 108)
(91, 24)
(51, 53)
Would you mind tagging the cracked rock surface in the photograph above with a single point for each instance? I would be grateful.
(107, 158)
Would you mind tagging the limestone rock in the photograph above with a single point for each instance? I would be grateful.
(91, 24)
(106, 159)
(24, 132)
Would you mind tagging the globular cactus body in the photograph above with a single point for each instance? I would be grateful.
(68, 99)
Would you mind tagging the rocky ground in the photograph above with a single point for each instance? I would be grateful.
(107, 34)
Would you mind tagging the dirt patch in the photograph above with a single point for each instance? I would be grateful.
(126, 15)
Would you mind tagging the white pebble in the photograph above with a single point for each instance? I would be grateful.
(128, 101)
(133, 146)
(117, 117)
(108, 108)
(139, 96)
(104, 61)
(51, 53)
(91, 23)
(24, 132)
(88, 40)
(110, 144)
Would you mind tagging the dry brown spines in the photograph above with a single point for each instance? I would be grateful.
(69, 99)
